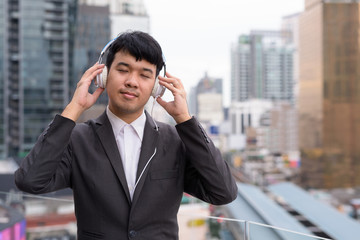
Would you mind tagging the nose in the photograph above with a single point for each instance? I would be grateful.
(132, 81)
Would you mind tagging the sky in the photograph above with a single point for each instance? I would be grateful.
(196, 35)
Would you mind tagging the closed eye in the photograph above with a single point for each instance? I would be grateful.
(145, 76)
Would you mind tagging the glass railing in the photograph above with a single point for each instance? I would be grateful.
(24, 216)
(222, 228)
(255, 231)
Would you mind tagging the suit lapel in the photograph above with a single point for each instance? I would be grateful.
(108, 141)
(148, 146)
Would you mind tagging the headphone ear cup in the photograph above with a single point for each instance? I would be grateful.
(101, 78)
(104, 77)
(157, 90)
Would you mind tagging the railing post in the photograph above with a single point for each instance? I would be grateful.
(247, 231)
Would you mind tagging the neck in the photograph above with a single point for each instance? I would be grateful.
(126, 116)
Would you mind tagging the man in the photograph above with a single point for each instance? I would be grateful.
(127, 172)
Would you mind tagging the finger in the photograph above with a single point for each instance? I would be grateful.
(94, 67)
(176, 82)
(161, 102)
(168, 85)
(169, 75)
(98, 92)
(96, 72)
(173, 77)
(92, 72)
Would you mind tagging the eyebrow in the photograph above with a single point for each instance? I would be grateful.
(128, 65)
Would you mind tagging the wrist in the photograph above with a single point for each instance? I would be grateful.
(72, 111)
(182, 118)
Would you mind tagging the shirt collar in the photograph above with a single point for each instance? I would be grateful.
(117, 123)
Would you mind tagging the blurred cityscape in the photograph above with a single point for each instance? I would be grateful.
(289, 133)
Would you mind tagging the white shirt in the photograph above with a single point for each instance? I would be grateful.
(128, 139)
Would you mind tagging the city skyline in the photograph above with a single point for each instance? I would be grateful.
(201, 42)
(257, 136)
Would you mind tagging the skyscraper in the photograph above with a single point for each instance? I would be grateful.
(329, 98)
(208, 100)
(262, 67)
(93, 32)
(124, 14)
(36, 61)
(3, 65)
(128, 14)
(290, 26)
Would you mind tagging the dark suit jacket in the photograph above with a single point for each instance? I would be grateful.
(85, 158)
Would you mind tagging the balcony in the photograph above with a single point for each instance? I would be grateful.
(55, 35)
(55, 17)
(55, 26)
(60, 7)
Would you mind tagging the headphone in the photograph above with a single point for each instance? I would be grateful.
(101, 79)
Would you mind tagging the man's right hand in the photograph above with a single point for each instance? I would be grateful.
(82, 99)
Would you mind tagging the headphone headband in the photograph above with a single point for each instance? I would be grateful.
(105, 49)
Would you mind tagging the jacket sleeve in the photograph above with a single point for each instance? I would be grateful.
(207, 175)
(47, 167)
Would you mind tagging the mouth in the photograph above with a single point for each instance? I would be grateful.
(129, 94)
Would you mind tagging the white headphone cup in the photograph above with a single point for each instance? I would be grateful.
(104, 76)
(155, 88)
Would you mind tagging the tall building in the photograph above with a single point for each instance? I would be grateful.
(36, 45)
(89, 43)
(128, 14)
(262, 67)
(329, 97)
(283, 135)
(124, 14)
(241, 69)
(208, 101)
(290, 28)
(3, 65)
(244, 115)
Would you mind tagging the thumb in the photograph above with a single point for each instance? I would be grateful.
(161, 102)
(96, 95)
(98, 92)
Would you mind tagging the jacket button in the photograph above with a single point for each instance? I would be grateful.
(132, 233)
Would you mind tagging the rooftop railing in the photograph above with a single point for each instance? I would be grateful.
(41, 217)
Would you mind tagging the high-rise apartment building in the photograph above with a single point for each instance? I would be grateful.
(124, 14)
(262, 67)
(128, 15)
(329, 97)
(241, 69)
(207, 100)
(290, 28)
(3, 56)
(36, 46)
(283, 136)
(93, 32)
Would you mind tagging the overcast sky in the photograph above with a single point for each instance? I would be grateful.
(196, 35)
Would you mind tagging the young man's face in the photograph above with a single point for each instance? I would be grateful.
(129, 85)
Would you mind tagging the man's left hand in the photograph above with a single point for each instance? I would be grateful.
(177, 108)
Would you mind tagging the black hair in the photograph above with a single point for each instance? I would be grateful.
(138, 44)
